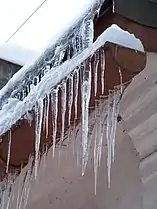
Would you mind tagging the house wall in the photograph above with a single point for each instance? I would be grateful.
(7, 70)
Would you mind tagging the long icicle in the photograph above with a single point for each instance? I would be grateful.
(95, 154)
(9, 151)
(64, 99)
(102, 115)
(44, 116)
(102, 70)
(63, 110)
(76, 83)
(113, 124)
(108, 130)
(38, 127)
(86, 92)
(70, 103)
(54, 105)
(76, 86)
(96, 64)
(47, 115)
(70, 98)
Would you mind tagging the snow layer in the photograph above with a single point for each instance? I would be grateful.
(17, 55)
(9, 114)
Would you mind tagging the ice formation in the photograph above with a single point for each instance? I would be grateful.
(55, 75)
(54, 103)
(9, 151)
(86, 94)
(38, 129)
(45, 78)
(76, 83)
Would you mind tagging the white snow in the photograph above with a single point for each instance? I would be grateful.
(113, 34)
(17, 55)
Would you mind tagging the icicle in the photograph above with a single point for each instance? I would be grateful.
(47, 115)
(38, 127)
(86, 93)
(95, 160)
(113, 9)
(54, 104)
(28, 89)
(76, 91)
(96, 64)
(23, 94)
(103, 117)
(61, 55)
(108, 139)
(70, 98)
(102, 69)
(70, 102)
(68, 52)
(87, 33)
(44, 116)
(58, 56)
(113, 124)
(9, 151)
(63, 109)
(100, 147)
(98, 142)
(74, 44)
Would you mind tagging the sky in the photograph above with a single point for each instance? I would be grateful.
(45, 25)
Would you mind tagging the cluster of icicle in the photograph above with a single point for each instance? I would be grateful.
(79, 42)
(101, 130)
(80, 39)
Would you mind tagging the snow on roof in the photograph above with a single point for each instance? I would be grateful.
(17, 55)
(65, 39)
(15, 109)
